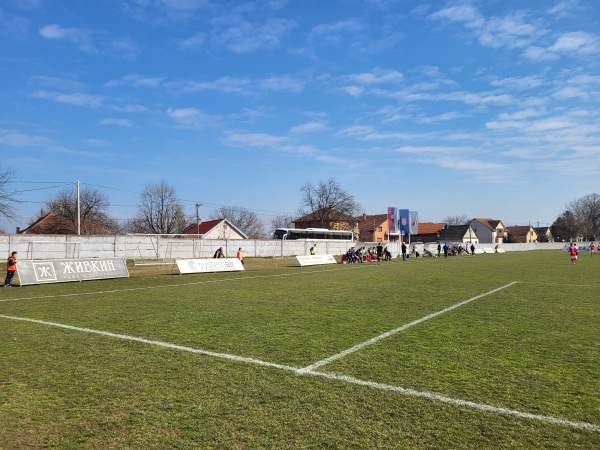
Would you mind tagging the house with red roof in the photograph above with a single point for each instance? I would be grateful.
(215, 229)
(523, 234)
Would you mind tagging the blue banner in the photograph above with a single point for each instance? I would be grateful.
(404, 222)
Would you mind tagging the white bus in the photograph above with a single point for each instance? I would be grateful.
(312, 234)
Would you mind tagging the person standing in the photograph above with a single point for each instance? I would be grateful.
(573, 253)
(403, 251)
(11, 268)
(472, 249)
(439, 249)
(379, 253)
(445, 250)
(592, 249)
(240, 256)
(313, 249)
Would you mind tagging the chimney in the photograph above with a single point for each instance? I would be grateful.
(18, 230)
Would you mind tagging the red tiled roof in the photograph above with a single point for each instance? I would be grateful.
(369, 222)
(430, 227)
(205, 227)
(53, 224)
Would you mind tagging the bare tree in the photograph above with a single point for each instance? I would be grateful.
(460, 219)
(159, 210)
(243, 218)
(565, 227)
(586, 213)
(282, 221)
(8, 197)
(327, 202)
(93, 212)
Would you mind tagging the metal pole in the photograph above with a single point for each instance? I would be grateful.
(198, 217)
(78, 211)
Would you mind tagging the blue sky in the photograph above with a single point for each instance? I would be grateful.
(484, 108)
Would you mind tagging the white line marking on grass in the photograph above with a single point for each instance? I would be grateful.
(402, 328)
(330, 376)
(154, 342)
(455, 401)
(191, 283)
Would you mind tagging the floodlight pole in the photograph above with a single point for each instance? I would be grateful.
(78, 211)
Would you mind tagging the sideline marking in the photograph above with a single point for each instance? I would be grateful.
(153, 342)
(402, 328)
(191, 283)
(330, 376)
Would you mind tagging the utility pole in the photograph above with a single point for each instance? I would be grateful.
(78, 211)
(198, 205)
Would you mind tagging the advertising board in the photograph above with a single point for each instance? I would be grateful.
(314, 260)
(209, 265)
(66, 270)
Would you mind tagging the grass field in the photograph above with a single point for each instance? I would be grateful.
(493, 351)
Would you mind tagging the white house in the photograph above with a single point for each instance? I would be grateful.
(488, 230)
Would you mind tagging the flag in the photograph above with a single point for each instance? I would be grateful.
(414, 222)
(404, 221)
(392, 220)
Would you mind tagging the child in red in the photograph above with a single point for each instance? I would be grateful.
(592, 249)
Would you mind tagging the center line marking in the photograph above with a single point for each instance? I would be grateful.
(331, 376)
(402, 328)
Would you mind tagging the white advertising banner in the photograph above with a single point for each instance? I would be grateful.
(65, 270)
(314, 260)
(209, 265)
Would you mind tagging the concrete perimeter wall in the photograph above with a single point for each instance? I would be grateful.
(163, 247)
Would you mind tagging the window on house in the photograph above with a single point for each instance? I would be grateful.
(378, 228)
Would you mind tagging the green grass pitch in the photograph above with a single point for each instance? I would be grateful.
(216, 360)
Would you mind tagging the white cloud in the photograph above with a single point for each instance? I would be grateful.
(136, 80)
(511, 31)
(356, 131)
(334, 33)
(520, 83)
(79, 36)
(196, 40)
(161, 10)
(15, 138)
(131, 109)
(242, 36)
(578, 42)
(307, 128)
(281, 83)
(377, 76)
(573, 44)
(191, 117)
(76, 99)
(118, 122)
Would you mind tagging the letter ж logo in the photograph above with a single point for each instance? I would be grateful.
(44, 271)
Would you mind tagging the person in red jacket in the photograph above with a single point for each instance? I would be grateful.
(11, 268)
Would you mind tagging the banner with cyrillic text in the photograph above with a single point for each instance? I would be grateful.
(65, 270)
(314, 260)
(209, 265)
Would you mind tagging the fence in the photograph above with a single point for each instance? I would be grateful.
(167, 248)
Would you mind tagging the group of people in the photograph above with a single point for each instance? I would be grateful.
(367, 254)
(455, 250)
(574, 251)
(219, 253)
